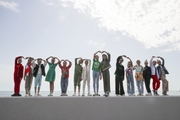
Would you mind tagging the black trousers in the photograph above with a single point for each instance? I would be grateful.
(119, 86)
(147, 83)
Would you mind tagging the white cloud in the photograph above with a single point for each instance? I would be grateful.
(10, 5)
(96, 44)
(154, 23)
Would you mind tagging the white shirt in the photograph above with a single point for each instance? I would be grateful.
(86, 71)
(39, 69)
(154, 70)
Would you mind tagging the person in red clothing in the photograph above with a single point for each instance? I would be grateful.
(64, 76)
(18, 74)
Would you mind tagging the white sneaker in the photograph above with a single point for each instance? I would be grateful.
(148, 94)
(35, 95)
(89, 94)
(26, 95)
(38, 94)
(74, 94)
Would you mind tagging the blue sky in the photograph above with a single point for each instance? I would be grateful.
(78, 28)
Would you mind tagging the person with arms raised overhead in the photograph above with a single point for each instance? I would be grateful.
(77, 75)
(64, 76)
(28, 76)
(96, 67)
(106, 58)
(155, 76)
(18, 74)
(38, 72)
(51, 74)
(86, 76)
(162, 75)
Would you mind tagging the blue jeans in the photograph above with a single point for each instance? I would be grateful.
(64, 85)
(96, 80)
(38, 79)
(140, 86)
(130, 84)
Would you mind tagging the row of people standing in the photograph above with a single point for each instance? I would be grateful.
(100, 70)
(142, 74)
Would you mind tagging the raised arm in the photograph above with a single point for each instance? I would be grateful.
(16, 59)
(45, 63)
(70, 63)
(151, 61)
(57, 59)
(163, 62)
(60, 63)
(76, 59)
(108, 54)
(48, 59)
(96, 54)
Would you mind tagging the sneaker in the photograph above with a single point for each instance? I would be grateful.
(50, 94)
(130, 94)
(30, 94)
(165, 94)
(94, 94)
(38, 94)
(82, 95)
(89, 94)
(65, 94)
(157, 93)
(74, 94)
(123, 95)
(35, 95)
(14, 94)
(142, 94)
(19, 95)
(139, 94)
(27, 95)
(148, 94)
(117, 95)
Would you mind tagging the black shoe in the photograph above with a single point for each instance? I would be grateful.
(14, 94)
(19, 95)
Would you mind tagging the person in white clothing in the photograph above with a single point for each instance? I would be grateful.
(86, 76)
(155, 76)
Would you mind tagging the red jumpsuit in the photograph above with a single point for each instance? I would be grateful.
(18, 74)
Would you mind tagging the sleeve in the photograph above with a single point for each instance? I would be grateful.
(60, 65)
(151, 62)
(45, 63)
(76, 61)
(15, 62)
(21, 71)
(70, 64)
(163, 62)
(109, 57)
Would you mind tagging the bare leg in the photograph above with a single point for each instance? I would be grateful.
(35, 89)
(38, 89)
(79, 90)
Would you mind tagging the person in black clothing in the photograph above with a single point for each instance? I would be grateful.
(119, 73)
(38, 71)
(147, 77)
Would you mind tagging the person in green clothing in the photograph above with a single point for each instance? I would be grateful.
(106, 57)
(51, 74)
(119, 73)
(96, 73)
(77, 74)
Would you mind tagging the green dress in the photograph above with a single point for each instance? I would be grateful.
(51, 74)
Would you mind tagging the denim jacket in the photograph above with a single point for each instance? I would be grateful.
(163, 67)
